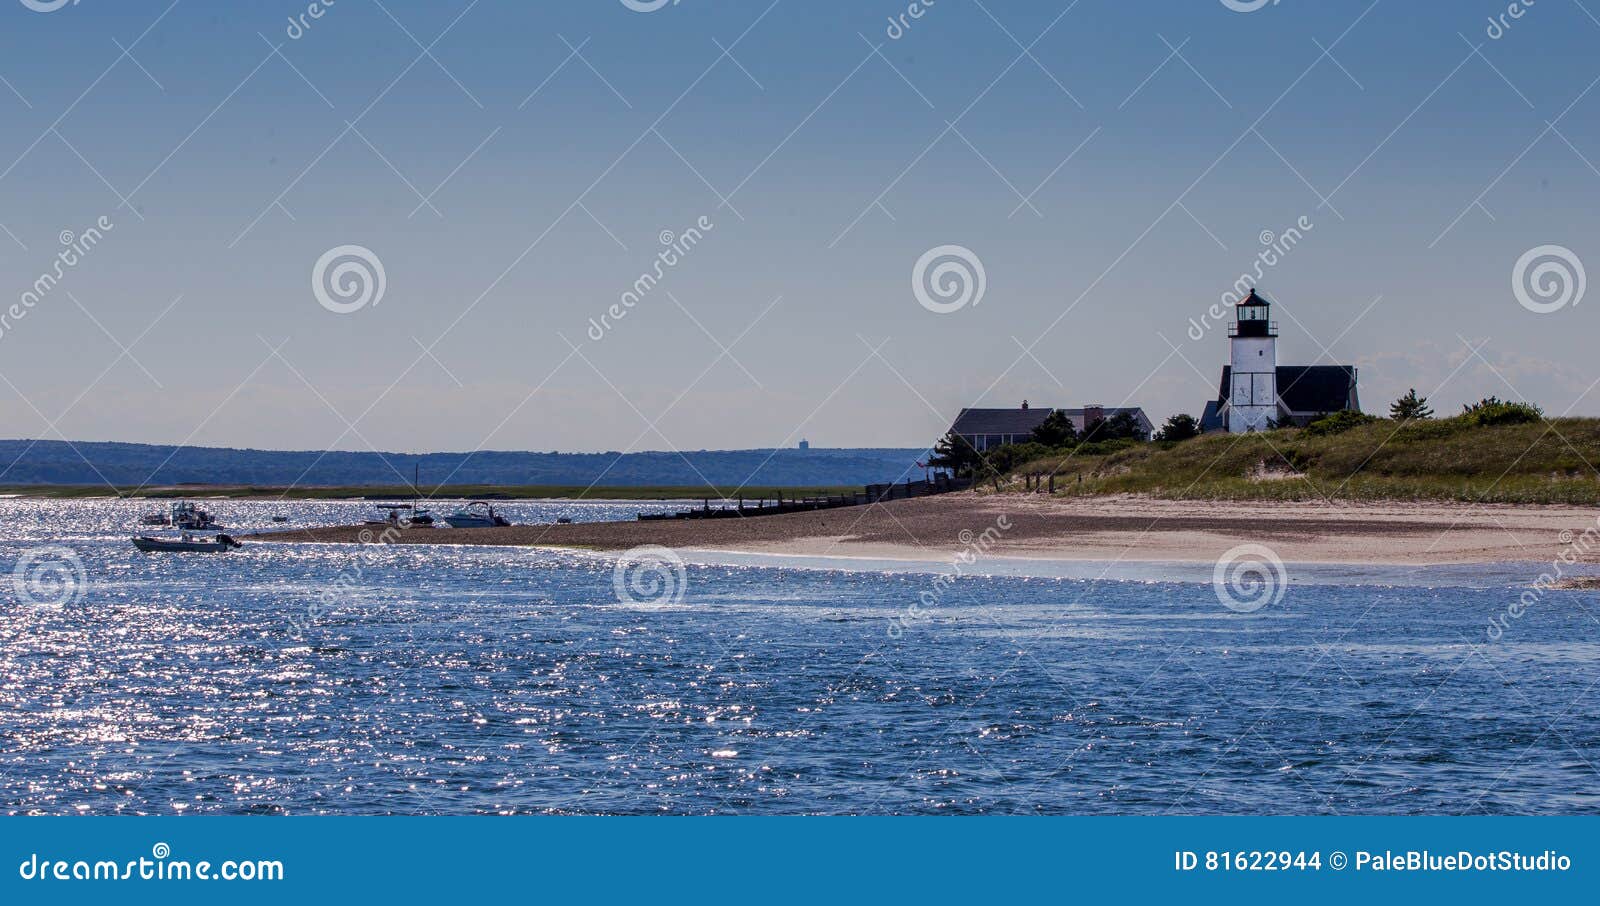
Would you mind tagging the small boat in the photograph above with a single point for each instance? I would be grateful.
(189, 517)
(280, 518)
(156, 518)
(563, 520)
(419, 516)
(477, 514)
(185, 544)
(400, 514)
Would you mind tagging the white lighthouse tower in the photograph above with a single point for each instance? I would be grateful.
(1253, 396)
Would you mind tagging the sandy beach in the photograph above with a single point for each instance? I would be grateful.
(1102, 528)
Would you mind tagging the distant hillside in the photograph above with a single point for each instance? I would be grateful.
(59, 463)
(1444, 459)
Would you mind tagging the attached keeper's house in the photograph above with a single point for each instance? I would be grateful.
(1257, 393)
(986, 429)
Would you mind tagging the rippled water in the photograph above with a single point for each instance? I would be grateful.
(461, 680)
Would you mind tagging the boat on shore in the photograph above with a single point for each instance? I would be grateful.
(477, 514)
(185, 544)
(402, 514)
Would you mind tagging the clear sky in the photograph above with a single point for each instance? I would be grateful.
(513, 166)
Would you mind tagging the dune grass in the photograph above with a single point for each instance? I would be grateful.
(1446, 459)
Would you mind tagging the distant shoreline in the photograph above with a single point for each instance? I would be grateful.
(400, 492)
(41, 463)
(1132, 529)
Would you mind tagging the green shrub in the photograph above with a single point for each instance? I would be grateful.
(1492, 410)
(1182, 426)
(1055, 431)
(1004, 459)
(1103, 447)
(1338, 423)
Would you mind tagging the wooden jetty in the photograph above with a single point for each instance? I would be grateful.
(739, 508)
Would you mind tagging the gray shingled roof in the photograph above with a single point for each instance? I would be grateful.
(999, 421)
(972, 422)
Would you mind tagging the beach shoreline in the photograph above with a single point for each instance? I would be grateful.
(1122, 528)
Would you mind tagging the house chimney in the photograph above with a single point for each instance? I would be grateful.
(1093, 412)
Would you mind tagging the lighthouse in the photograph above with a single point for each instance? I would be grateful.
(1256, 393)
(1252, 403)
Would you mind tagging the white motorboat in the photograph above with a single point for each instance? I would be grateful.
(477, 514)
(405, 514)
(185, 544)
(189, 517)
(402, 514)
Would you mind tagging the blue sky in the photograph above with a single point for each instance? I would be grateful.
(1113, 166)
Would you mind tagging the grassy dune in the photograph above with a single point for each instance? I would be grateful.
(1446, 459)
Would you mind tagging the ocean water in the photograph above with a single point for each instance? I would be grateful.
(321, 679)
